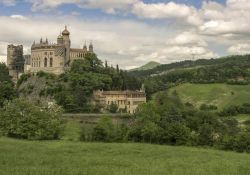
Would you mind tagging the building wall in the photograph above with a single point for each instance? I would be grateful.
(126, 100)
(45, 59)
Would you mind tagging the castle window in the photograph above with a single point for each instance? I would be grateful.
(51, 62)
(45, 62)
(51, 53)
(45, 53)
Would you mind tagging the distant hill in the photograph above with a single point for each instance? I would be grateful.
(148, 66)
(221, 95)
(236, 60)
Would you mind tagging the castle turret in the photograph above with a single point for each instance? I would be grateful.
(91, 48)
(67, 43)
(85, 47)
(60, 39)
(41, 41)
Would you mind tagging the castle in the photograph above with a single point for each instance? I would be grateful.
(56, 58)
(47, 57)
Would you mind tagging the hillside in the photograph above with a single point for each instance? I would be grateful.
(69, 158)
(236, 60)
(221, 95)
(148, 66)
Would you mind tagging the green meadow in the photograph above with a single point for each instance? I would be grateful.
(72, 157)
(20, 157)
(221, 95)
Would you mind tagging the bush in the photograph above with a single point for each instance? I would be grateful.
(104, 130)
(7, 92)
(23, 79)
(22, 119)
(205, 107)
(177, 134)
(113, 107)
(242, 142)
(239, 142)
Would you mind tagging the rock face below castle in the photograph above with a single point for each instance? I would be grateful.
(55, 58)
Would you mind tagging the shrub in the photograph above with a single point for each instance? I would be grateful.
(22, 119)
(7, 92)
(113, 107)
(205, 107)
(242, 142)
(23, 79)
(104, 130)
(177, 134)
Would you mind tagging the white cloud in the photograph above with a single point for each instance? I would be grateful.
(241, 48)
(167, 10)
(188, 38)
(18, 17)
(8, 2)
(109, 6)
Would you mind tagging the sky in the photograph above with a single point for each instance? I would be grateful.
(132, 32)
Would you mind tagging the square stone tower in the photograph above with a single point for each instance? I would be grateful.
(15, 60)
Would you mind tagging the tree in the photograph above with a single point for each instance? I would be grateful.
(4, 73)
(7, 91)
(104, 130)
(113, 107)
(176, 134)
(22, 119)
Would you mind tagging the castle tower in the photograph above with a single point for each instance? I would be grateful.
(15, 60)
(67, 43)
(60, 39)
(91, 48)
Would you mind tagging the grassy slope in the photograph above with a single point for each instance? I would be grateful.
(221, 95)
(68, 158)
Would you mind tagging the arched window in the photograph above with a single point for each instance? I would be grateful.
(45, 62)
(51, 62)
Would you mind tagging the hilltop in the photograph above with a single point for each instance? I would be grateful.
(148, 66)
(235, 60)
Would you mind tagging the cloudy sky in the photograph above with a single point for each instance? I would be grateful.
(132, 32)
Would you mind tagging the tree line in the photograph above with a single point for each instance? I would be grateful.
(166, 120)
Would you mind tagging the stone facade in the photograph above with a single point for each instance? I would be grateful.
(15, 61)
(55, 58)
(127, 100)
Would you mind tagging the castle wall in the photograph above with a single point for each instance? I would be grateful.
(47, 59)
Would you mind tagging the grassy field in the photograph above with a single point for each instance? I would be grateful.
(71, 157)
(221, 95)
(19, 157)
